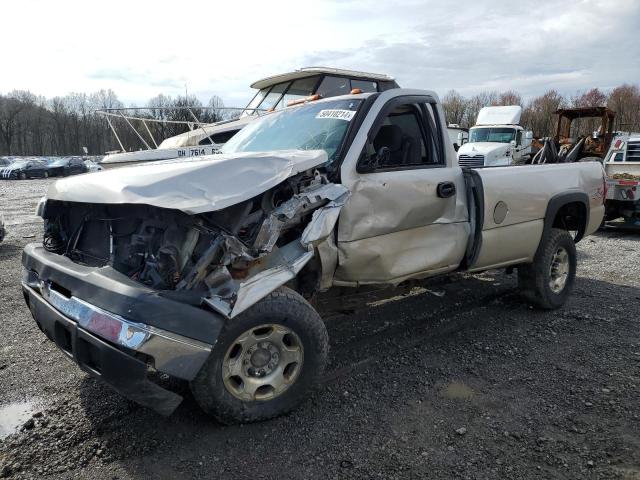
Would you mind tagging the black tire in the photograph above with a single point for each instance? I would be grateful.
(22, 176)
(45, 174)
(534, 278)
(283, 307)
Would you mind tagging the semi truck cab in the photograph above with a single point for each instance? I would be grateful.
(497, 139)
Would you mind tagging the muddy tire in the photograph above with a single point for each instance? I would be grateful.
(265, 362)
(548, 281)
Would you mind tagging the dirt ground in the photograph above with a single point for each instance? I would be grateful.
(452, 378)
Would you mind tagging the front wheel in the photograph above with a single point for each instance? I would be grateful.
(265, 361)
(548, 281)
(46, 174)
(22, 176)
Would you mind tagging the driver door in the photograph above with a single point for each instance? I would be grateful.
(406, 216)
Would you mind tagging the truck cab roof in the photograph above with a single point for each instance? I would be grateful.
(503, 115)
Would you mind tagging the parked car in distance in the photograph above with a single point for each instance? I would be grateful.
(65, 166)
(91, 166)
(24, 169)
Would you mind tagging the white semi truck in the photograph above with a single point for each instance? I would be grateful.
(497, 139)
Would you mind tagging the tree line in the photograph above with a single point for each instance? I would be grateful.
(34, 125)
(537, 113)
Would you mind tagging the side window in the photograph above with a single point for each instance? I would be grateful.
(273, 96)
(519, 138)
(364, 85)
(301, 88)
(618, 157)
(404, 140)
(333, 86)
(222, 137)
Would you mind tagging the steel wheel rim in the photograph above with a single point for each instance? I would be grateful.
(559, 270)
(262, 363)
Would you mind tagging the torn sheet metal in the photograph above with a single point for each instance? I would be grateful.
(194, 185)
(324, 220)
(288, 260)
(322, 223)
(281, 265)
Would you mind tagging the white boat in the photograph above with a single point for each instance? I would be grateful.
(274, 93)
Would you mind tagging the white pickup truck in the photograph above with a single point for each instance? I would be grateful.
(497, 139)
(622, 166)
(205, 269)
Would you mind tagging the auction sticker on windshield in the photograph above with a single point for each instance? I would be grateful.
(336, 114)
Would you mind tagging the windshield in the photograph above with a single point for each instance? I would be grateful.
(19, 164)
(313, 126)
(493, 134)
(58, 162)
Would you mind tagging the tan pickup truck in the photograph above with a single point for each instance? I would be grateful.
(205, 269)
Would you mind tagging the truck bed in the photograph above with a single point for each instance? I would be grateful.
(525, 192)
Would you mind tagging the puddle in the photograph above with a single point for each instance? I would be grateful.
(458, 391)
(13, 416)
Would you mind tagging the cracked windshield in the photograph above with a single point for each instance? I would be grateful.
(315, 126)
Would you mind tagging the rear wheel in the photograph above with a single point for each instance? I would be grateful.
(265, 361)
(46, 174)
(548, 281)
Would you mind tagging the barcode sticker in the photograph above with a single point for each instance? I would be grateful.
(336, 114)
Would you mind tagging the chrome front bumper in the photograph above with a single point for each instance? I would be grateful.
(172, 354)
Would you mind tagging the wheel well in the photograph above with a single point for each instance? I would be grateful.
(572, 216)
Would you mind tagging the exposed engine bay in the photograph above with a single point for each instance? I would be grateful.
(227, 259)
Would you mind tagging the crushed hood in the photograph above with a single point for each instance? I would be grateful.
(194, 185)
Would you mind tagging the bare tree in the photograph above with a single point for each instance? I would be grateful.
(454, 106)
(625, 101)
(10, 108)
(510, 97)
(539, 113)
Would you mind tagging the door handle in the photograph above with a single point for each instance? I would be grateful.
(446, 189)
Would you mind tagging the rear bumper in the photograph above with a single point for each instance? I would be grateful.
(114, 348)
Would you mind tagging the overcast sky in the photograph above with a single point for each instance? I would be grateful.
(140, 49)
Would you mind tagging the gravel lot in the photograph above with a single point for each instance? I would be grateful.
(454, 378)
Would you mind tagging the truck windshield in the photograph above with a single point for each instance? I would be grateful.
(313, 126)
(492, 134)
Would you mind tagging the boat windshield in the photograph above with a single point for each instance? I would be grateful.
(279, 95)
(313, 126)
(492, 134)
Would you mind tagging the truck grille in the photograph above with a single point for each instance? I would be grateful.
(633, 151)
(471, 161)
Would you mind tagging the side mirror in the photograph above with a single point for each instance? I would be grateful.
(460, 138)
(370, 161)
(383, 156)
(513, 143)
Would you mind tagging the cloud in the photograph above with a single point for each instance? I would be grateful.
(220, 48)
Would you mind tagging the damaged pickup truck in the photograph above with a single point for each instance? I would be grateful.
(205, 269)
